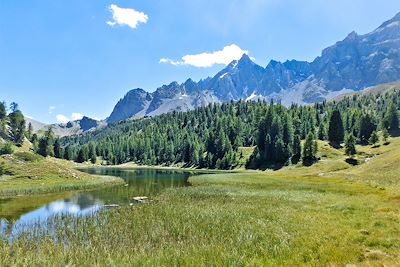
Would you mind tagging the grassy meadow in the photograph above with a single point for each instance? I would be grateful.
(26, 173)
(330, 214)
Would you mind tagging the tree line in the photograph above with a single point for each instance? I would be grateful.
(211, 137)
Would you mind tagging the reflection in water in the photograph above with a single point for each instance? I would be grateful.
(18, 215)
(39, 216)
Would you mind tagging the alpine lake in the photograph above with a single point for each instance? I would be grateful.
(19, 215)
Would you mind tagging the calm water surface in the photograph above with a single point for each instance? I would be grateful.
(18, 214)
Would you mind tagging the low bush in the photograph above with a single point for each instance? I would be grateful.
(27, 156)
(6, 149)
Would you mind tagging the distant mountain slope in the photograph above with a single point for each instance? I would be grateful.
(351, 65)
(66, 129)
(382, 88)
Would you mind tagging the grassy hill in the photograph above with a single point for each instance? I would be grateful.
(24, 172)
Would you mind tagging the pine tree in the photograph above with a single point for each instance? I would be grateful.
(391, 119)
(92, 153)
(385, 135)
(280, 150)
(35, 143)
(46, 144)
(350, 145)
(297, 147)
(29, 131)
(365, 127)
(13, 107)
(374, 138)
(336, 129)
(310, 149)
(42, 147)
(68, 153)
(17, 125)
(321, 132)
(83, 155)
(3, 112)
(58, 151)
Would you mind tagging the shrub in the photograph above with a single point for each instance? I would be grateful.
(6, 149)
(27, 156)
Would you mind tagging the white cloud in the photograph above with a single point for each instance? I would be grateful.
(206, 60)
(126, 16)
(170, 61)
(76, 116)
(51, 109)
(62, 119)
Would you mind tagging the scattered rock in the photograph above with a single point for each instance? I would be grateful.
(375, 254)
(141, 199)
(364, 232)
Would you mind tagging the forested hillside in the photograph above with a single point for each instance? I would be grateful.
(211, 137)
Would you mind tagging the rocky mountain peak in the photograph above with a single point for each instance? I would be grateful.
(352, 64)
(245, 60)
(351, 36)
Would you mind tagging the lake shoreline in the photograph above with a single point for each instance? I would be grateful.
(102, 181)
(131, 165)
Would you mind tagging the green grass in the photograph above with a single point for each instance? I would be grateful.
(330, 214)
(26, 173)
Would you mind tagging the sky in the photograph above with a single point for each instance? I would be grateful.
(61, 59)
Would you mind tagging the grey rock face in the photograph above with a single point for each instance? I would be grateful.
(134, 102)
(355, 63)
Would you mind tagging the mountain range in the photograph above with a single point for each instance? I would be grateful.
(83, 125)
(351, 65)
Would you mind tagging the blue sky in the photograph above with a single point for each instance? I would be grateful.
(76, 57)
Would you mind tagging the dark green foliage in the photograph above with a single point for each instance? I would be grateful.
(14, 107)
(336, 129)
(42, 147)
(27, 156)
(68, 154)
(365, 127)
(17, 125)
(92, 153)
(374, 138)
(6, 149)
(350, 144)
(35, 142)
(385, 135)
(275, 136)
(310, 149)
(83, 155)
(210, 137)
(12, 126)
(29, 131)
(391, 120)
(58, 150)
(3, 112)
(322, 132)
(296, 149)
(46, 144)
